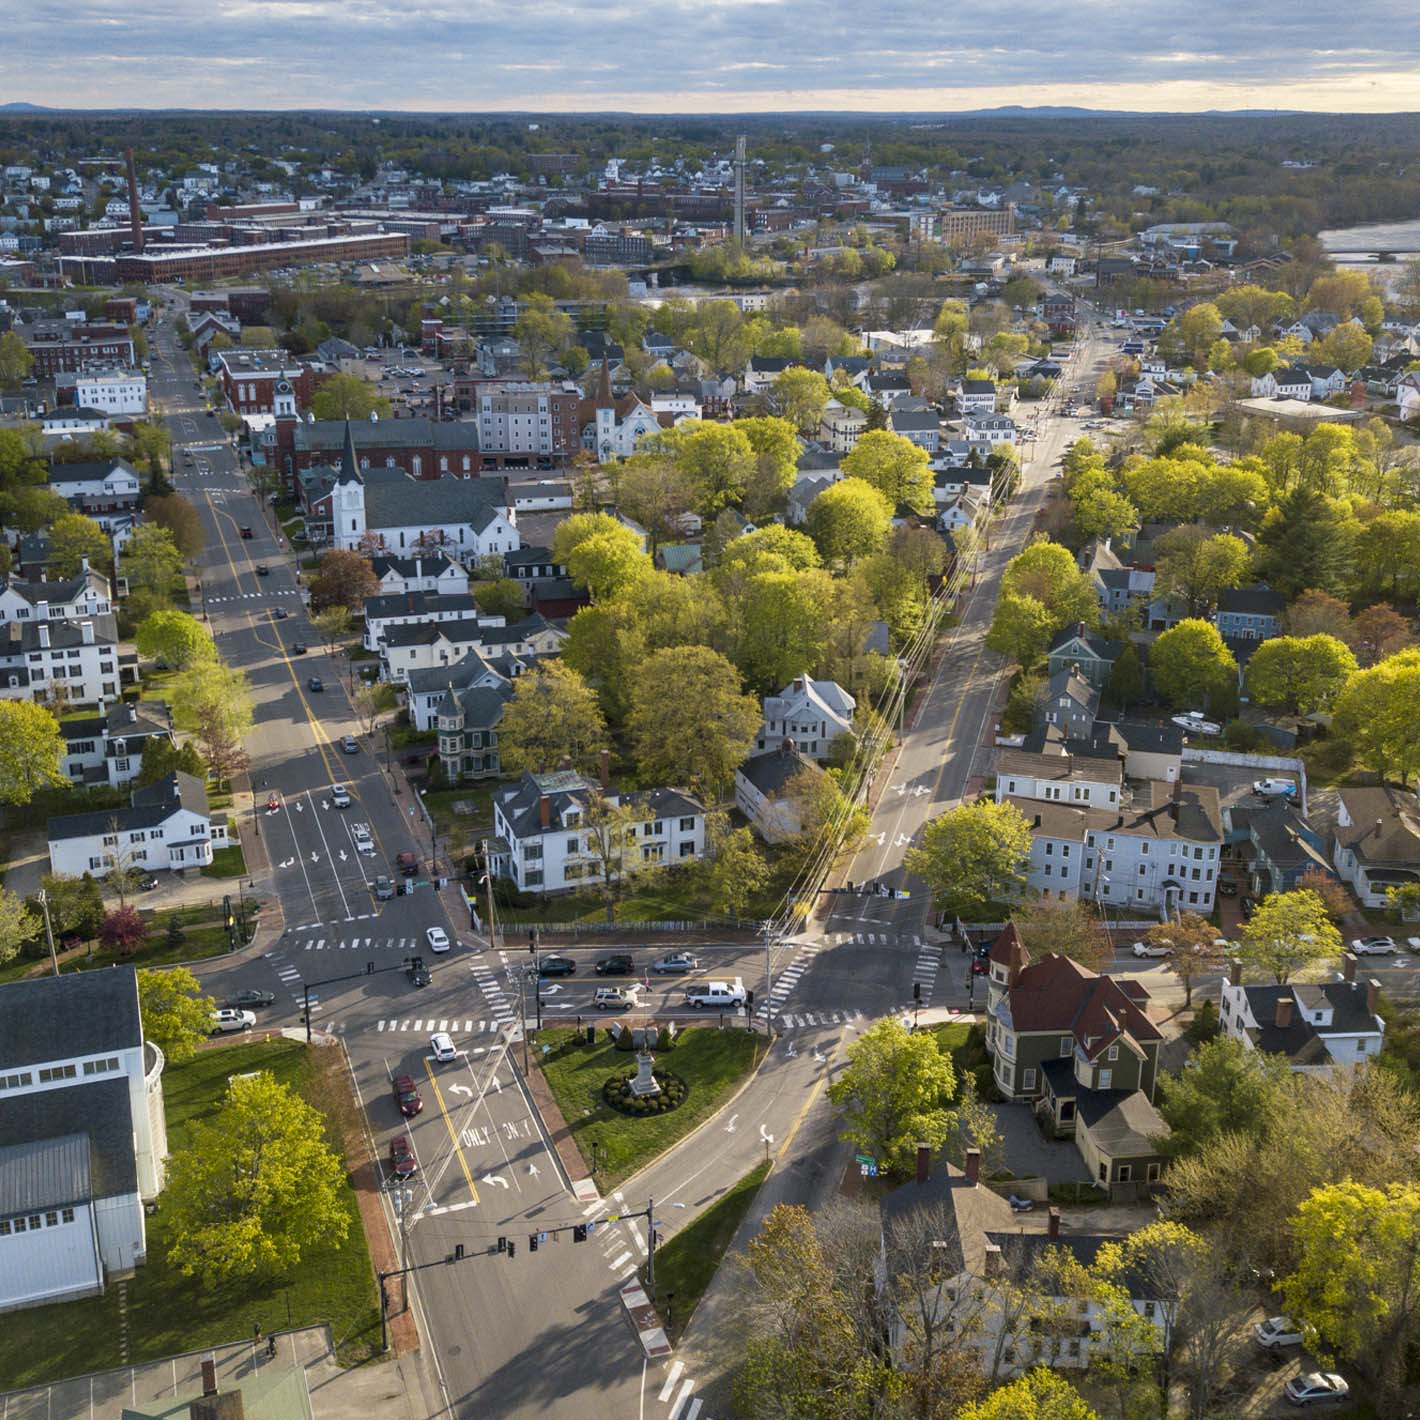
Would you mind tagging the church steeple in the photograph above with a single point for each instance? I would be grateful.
(349, 464)
(604, 399)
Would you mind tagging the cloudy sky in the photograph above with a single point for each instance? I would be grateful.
(711, 55)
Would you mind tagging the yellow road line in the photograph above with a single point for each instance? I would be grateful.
(453, 1138)
(808, 1103)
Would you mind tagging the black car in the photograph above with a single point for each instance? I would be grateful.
(147, 882)
(1227, 887)
(247, 533)
(618, 965)
(418, 972)
(281, 613)
(557, 966)
(262, 570)
(298, 648)
(315, 683)
(251, 998)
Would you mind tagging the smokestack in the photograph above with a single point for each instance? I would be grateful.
(1373, 996)
(924, 1161)
(1235, 973)
(1348, 966)
(544, 812)
(972, 1168)
(135, 212)
(1283, 1016)
(1052, 1225)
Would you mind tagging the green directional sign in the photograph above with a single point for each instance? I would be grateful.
(865, 1159)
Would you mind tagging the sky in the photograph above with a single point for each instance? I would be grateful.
(708, 56)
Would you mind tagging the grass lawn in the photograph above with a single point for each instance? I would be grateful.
(458, 831)
(966, 1044)
(685, 1265)
(712, 1062)
(169, 1313)
(226, 863)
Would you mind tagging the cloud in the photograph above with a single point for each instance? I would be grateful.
(709, 55)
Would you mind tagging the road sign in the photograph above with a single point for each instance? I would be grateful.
(867, 1160)
(868, 1170)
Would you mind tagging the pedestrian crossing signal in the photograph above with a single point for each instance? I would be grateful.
(579, 1233)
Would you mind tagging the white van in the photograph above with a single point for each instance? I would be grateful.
(724, 995)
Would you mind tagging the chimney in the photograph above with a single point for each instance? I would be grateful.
(544, 812)
(1052, 1225)
(42, 631)
(135, 212)
(83, 564)
(1348, 966)
(1373, 996)
(1380, 827)
(209, 1377)
(86, 632)
(924, 1161)
(1235, 973)
(993, 1262)
(604, 768)
(972, 1167)
(41, 611)
(1283, 1016)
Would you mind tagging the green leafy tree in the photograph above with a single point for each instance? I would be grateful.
(1356, 1287)
(895, 466)
(72, 539)
(1047, 572)
(737, 873)
(1302, 674)
(690, 724)
(552, 716)
(1052, 927)
(972, 856)
(182, 521)
(774, 548)
(76, 905)
(347, 396)
(1190, 662)
(31, 751)
(151, 561)
(718, 459)
(609, 564)
(1038, 1395)
(800, 394)
(1103, 512)
(16, 362)
(501, 597)
(1286, 932)
(1308, 541)
(783, 625)
(18, 925)
(213, 702)
(1126, 678)
(332, 623)
(176, 1016)
(344, 578)
(176, 639)
(657, 492)
(1227, 1089)
(1376, 711)
(1197, 567)
(162, 758)
(776, 454)
(1021, 628)
(849, 520)
(895, 1092)
(258, 1188)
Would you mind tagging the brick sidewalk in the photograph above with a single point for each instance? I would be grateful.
(573, 1163)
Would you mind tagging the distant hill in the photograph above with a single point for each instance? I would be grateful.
(24, 108)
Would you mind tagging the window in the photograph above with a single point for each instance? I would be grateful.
(1049, 849)
(1028, 1080)
(101, 1067)
(1124, 1174)
(687, 849)
(533, 879)
(1105, 1080)
(1067, 1045)
(687, 825)
(1153, 1175)
(1113, 1053)
(57, 1072)
(573, 844)
(17, 1081)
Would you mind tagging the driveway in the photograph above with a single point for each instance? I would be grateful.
(1029, 1154)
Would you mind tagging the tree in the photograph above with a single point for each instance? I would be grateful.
(1329, 889)
(345, 579)
(690, 724)
(258, 1187)
(31, 751)
(1348, 347)
(1356, 1286)
(73, 539)
(1126, 678)
(657, 492)
(974, 1126)
(895, 466)
(1053, 927)
(371, 700)
(1197, 566)
(1047, 572)
(774, 548)
(1105, 512)
(1196, 330)
(1038, 1395)
(176, 1016)
(182, 521)
(176, 639)
(1286, 931)
(1228, 1088)
(609, 564)
(1307, 541)
(213, 702)
(76, 905)
(16, 362)
(1189, 939)
(615, 863)
(784, 620)
(1190, 662)
(849, 520)
(347, 396)
(1377, 632)
(18, 924)
(895, 1092)
(162, 758)
(151, 561)
(972, 856)
(332, 623)
(718, 459)
(800, 394)
(1318, 614)
(1376, 711)
(1301, 674)
(1021, 628)
(544, 335)
(737, 873)
(776, 450)
(123, 931)
(552, 716)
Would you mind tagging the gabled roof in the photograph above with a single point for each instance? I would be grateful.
(1098, 646)
(48, 1018)
(152, 806)
(419, 604)
(418, 502)
(1257, 600)
(89, 472)
(1385, 825)
(58, 1157)
(1301, 1040)
(1057, 995)
(770, 772)
(969, 1211)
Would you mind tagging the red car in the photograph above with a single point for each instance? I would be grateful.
(407, 1096)
(403, 1164)
(273, 804)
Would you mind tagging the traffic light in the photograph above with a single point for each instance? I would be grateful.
(579, 1232)
(369, 968)
(229, 918)
(502, 1244)
(512, 1249)
(532, 1242)
(917, 991)
(458, 1253)
(749, 1000)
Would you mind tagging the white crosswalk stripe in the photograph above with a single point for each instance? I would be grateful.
(466, 1025)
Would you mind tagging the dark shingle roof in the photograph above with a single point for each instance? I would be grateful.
(150, 806)
(60, 1017)
(1121, 1123)
(98, 1112)
(418, 604)
(1253, 601)
(769, 773)
(414, 502)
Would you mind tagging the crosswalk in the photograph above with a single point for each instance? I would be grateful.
(451, 1025)
(786, 981)
(924, 974)
(291, 980)
(264, 595)
(493, 993)
(409, 945)
(678, 1392)
(872, 939)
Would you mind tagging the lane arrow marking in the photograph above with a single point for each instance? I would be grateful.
(494, 1178)
(730, 1127)
(460, 1090)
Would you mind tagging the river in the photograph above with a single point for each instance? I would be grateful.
(1375, 236)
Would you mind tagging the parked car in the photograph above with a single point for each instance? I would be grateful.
(1150, 949)
(418, 972)
(675, 962)
(251, 997)
(1317, 1388)
(441, 1046)
(1227, 887)
(722, 995)
(228, 1019)
(340, 796)
(403, 1164)
(1274, 788)
(384, 888)
(280, 613)
(1277, 1331)
(406, 1095)
(619, 964)
(438, 939)
(1373, 946)
(315, 683)
(147, 882)
(1193, 721)
(348, 744)
(616, 998)
(557, 966)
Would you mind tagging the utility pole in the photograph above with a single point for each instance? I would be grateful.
(49, 930)
(488, 879)
(651, 1246)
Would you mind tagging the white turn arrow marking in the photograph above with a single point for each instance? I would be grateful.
(534, 1170)
(819, 1056)
(878, 838)
(792, 1050)
(460, 1090)
(920, 790)
(903, 840)
(551, 990)
(325, 803)
(342, 855)
(300, 807)
(289, 863)
(315, 857)
(768, 1138)
(730, 1127)
(899, 788)
(494, 1178)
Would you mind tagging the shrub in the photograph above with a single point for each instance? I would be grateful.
(175, 935)
(1241, 738)
(616, 1093)
(1204, 1025)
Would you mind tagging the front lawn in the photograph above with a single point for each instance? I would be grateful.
(712, 1062)
(226, 863)
(685, 1265)
(168, 1313)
